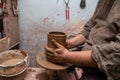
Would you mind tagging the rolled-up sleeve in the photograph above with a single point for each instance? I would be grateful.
(87, 28)
(91, 23)
(107, 56)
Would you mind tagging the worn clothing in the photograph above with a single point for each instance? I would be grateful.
(92, 74)
(103, 37)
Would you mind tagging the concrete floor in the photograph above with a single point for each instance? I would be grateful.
(33, 73)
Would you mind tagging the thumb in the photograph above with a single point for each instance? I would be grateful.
(56, 44)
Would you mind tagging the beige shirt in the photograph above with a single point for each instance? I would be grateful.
(103, 37)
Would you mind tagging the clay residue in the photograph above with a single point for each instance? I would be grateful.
(42, 76)
(45, 20)
(31, 70)
(58, 14)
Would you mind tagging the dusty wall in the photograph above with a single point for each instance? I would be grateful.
(38, 17)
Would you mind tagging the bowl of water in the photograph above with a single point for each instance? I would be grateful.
(13, 62)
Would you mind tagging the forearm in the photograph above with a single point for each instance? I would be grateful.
(81, 59)
(75, 41)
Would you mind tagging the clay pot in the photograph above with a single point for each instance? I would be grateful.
(41, 58)
(60, 37)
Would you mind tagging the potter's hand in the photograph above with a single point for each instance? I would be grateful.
(57, 55)
(75, 41)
